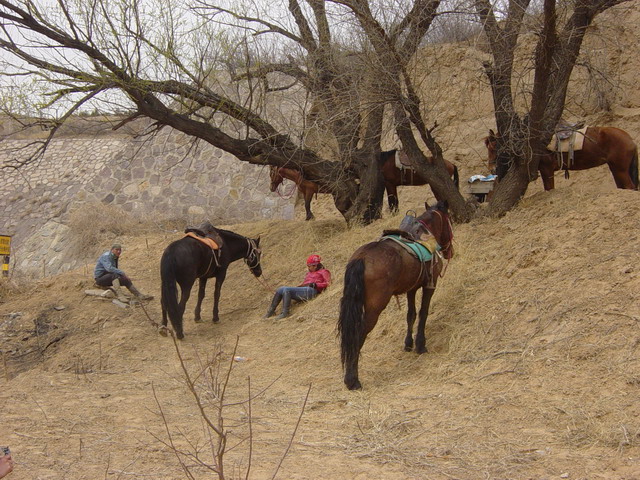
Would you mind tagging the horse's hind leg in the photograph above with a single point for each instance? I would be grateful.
(621, 177)
(202, 285)
(163, 329)
(411, 318)
(421, 344)
(185, 293)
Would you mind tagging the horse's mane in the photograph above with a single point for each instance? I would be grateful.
(441, 205)
(229, 233)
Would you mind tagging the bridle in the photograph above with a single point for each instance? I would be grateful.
(444, 223)
(252, 258)
(277, 179)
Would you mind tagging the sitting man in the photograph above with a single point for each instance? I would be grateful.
(107, 274)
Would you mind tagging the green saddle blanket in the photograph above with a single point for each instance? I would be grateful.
(421, 252)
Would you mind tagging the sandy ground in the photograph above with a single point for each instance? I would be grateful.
(532, 370)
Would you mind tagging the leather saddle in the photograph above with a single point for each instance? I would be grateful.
(206, 230)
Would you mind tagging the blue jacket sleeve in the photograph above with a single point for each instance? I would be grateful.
(107, 264)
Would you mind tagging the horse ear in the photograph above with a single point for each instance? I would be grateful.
(426, 205)
(258, 241)
(491, 133)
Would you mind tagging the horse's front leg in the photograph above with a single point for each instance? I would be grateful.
(202, 285)
(411, 318)
(392, 197)
(216, 294)
(546, 172)
(308, 195)
(421, 343)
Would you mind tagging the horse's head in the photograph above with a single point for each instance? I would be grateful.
(491, 142)
(254, 253)
(276, 178)
(436, 221)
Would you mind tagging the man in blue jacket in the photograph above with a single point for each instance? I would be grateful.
(107, 274)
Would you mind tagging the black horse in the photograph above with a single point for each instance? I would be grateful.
(188, 259)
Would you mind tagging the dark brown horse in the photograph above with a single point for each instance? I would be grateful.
(601, 145)
(394, 176)
(307, 188)
(379, 270)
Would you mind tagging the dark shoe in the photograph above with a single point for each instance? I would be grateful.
(274, 304)
(283, 315)
(140, 295)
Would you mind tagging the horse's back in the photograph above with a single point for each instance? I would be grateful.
(182, 256)
(389, 267)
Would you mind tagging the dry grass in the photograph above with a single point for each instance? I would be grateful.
(532, 368)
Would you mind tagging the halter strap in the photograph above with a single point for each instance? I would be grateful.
(251, 253)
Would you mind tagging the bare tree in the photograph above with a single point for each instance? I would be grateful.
(165, 60)
(524, 135)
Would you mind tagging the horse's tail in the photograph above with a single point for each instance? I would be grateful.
(169, 295)
(456, 177)
(350, 323)
(633, 169)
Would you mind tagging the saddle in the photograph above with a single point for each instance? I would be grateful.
(565, 139)
(412, 236)
(207, 234)
(402, 160)
(417, 249)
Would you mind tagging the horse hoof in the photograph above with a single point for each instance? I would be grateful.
(408, 348)
(420, 351)
(197, 320)
(216, 320)
(164, 331)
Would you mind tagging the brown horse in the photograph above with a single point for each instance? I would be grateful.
(379, 270)
(307, 188)
(601, 145)
(394, 176)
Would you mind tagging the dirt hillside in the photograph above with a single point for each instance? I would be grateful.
(532, 372)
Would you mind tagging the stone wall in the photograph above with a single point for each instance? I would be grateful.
(164, 177)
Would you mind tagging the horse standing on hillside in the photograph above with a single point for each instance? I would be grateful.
(601, 145)
(379, 270)
(188, 259)
(395, 176)
(307, 188)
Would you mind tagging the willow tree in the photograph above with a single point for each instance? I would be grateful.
(332, 68)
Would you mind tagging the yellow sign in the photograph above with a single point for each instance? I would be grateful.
(5, 245)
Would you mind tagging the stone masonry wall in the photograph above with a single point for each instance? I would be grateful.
(166, 177)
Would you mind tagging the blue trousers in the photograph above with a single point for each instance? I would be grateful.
(286, 294)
